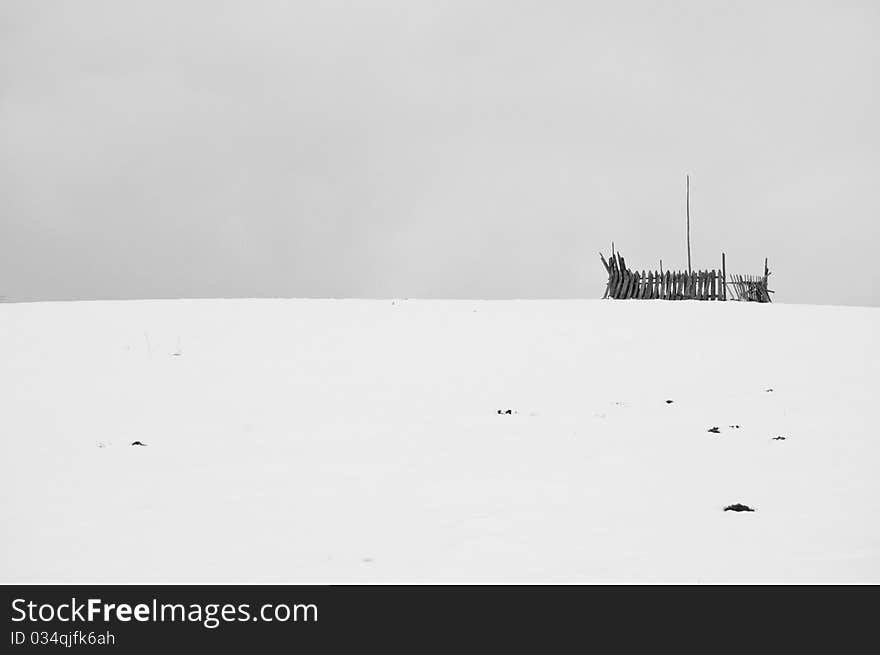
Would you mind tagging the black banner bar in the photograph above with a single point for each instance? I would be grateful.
(152, 618)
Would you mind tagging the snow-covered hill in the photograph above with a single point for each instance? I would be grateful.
(348, 441)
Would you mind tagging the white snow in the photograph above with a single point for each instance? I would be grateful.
(355, 441)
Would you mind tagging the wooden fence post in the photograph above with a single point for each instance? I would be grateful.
(661, 277)
(723, 278)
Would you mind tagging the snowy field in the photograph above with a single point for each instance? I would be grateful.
(355, 441)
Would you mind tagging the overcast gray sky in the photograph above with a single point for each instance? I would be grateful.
(459, 149)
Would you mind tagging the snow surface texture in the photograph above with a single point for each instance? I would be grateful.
(354, 441)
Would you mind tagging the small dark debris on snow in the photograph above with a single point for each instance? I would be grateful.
(779, 438)
(506, 411)
(768, 390)
(138, 443)
(738, 507)
(735, 426)
(715, 430)
(669, 402)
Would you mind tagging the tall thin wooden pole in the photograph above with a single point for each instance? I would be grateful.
(688, 209)
(723, 278)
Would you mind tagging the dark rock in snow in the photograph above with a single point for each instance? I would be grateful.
(734, 426)
(506, 411)
(780, 438)
(715, 430)
(668, 402)
(138, 443)
(738, 507)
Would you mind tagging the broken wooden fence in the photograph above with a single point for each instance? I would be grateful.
(624, 283)
(749, 288)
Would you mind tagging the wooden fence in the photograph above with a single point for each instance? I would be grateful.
(749, 288)
(624, 283)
